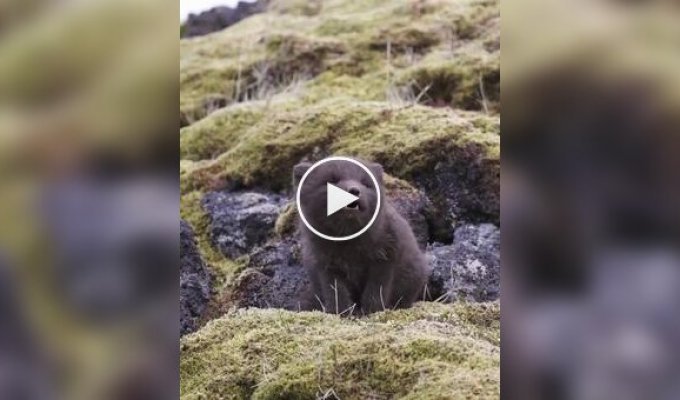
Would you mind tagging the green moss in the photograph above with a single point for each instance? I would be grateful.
(345, 85)
(281, 60)
(286, 222)
(407, 141)
(338, 40)
(208, 138)
(335, 26)
(395, 185)
(467, 83)
(432, 351)
(404, 36)
(294, 43)
(297, 7)
(338, 55)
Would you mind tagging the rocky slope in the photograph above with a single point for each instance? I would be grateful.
(413, 85)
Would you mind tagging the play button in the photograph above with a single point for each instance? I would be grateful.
(350, 191)
(337, 199)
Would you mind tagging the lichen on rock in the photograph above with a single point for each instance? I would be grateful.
(468, 269)
(274, 278)
(240, 221)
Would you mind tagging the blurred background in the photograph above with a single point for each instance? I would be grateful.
(88, 199)
(590, 192)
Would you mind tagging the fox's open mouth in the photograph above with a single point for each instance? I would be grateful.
(353, 205)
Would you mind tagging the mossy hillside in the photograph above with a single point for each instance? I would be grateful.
(208, 138)
(470, 83)
(342, 38)
(408, 141)
(332, 84)
(433, 351)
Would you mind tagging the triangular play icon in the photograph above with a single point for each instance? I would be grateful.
(336, 199)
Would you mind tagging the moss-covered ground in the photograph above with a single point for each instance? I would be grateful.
(432, 351)
(244, 148)
(358, 49)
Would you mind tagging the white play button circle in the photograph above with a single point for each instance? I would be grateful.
(338, 198)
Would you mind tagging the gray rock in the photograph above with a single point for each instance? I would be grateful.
(194, 281)
(464, 188)
(241, 221)
(274, 278)
(219, 18)
(468, 269)
(414, 206)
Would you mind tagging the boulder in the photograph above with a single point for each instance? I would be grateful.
(468, 269)
(194, 278)
(274, 278)
(219, 18)
(413, 205)
(240, 221)
(465, 187)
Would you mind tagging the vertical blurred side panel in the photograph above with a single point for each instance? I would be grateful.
(89, 199)
(590, 194)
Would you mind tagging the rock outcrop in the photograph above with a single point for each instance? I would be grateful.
(414, 206)
(241, 221)
(468, 269)
(274, 278)
(194, 281)
(219, 18)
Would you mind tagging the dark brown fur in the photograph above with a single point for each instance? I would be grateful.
(381, 269)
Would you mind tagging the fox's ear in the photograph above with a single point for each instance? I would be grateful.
(377, 171)
(298, 171)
